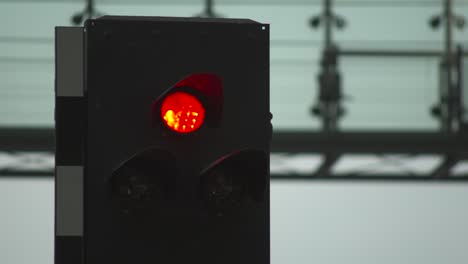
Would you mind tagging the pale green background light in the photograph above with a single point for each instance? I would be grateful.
(329, 223)
(382, 94)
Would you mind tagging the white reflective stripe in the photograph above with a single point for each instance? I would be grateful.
(69, 200)
(69, 61)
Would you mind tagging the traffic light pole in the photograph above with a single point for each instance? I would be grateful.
(328, 106)
(208, 11)
(88, 12)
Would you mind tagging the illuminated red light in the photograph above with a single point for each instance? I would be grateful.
(182, 112)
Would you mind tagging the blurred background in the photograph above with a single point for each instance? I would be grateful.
(368, 165)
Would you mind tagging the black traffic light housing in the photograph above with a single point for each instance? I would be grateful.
(131, 190)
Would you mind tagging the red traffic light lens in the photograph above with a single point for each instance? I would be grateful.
(182, 112)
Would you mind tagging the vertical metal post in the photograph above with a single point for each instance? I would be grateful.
(209, 8)
(449, 105)
(328, 17)
(448, 28)
(330, 107)
(459, 110)
(447, 87)
(462, 91)
(89, 7)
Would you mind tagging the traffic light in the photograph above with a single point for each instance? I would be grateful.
(162, 141)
